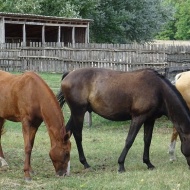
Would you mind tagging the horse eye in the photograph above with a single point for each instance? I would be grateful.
(66, 156)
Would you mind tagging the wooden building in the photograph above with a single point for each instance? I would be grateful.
(26, 28)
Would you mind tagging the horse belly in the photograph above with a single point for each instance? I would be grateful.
(9, 113)
(111, 110)
(8, 108)
(112, 114)
(117, 117)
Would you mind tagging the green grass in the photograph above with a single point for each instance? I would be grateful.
(103, 143)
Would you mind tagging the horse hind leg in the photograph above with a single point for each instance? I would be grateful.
(172, 145)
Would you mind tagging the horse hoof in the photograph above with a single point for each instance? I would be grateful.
(28, 179)
(32, 172)
(151, 168)
(172, 160)
(121, 170)
(4, 168)
(87, 170)
(86, 166)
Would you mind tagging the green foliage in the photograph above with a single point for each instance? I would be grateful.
(183, 21)
(20, 6)
(42, 7)
(120, 21)
(114, 21)
(58, 8)
(179, 27)
(167, 32)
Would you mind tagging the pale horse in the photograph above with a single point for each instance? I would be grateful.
(182, 83)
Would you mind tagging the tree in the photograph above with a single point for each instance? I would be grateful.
(168, 31)
(183, 21)
(124, 21)
(61, 8)
(20, 6)
(114, 21)
(179, 27)
(42, 7)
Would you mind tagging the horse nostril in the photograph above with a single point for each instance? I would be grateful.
(61, 174)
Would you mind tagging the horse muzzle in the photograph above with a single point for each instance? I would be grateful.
(188, 161)
(61, 173)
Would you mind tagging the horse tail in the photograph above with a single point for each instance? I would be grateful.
(60, 96)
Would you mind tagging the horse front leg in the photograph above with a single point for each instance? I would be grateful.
(29, 133)
(136, 124)
(172, 145)
(4, 164)
(76, 126)
(148, 130)
(82, 158)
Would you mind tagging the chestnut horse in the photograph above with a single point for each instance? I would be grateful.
(182, 83)
(27, 99)
(140, 96)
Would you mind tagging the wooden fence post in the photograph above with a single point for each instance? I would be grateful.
(88, 118)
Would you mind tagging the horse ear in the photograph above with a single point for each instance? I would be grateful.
(67, 136)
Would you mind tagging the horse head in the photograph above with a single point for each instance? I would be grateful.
(60, 155)
(185, 148)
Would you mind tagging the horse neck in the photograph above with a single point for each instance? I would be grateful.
(176, 109)
(53, 119)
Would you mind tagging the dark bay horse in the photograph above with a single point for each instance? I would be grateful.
(27, 99)
(140, 96)
(182, 83)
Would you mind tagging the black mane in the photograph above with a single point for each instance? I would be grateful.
(65, 74)
(173, 87)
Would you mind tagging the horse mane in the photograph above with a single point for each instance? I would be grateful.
(42, 82)
(174, 89)
(177, 76)
(65, 74)
(49, 92)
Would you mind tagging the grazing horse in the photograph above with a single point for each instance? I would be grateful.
(182, 83)
(141, 96)
(27, 99)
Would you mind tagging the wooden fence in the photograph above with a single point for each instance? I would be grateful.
(167, 58)
(55, 57)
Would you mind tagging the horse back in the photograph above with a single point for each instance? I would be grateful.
(20, 95)
(183, 86)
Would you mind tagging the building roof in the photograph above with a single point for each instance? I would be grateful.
(54, 19)
(24, 27)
